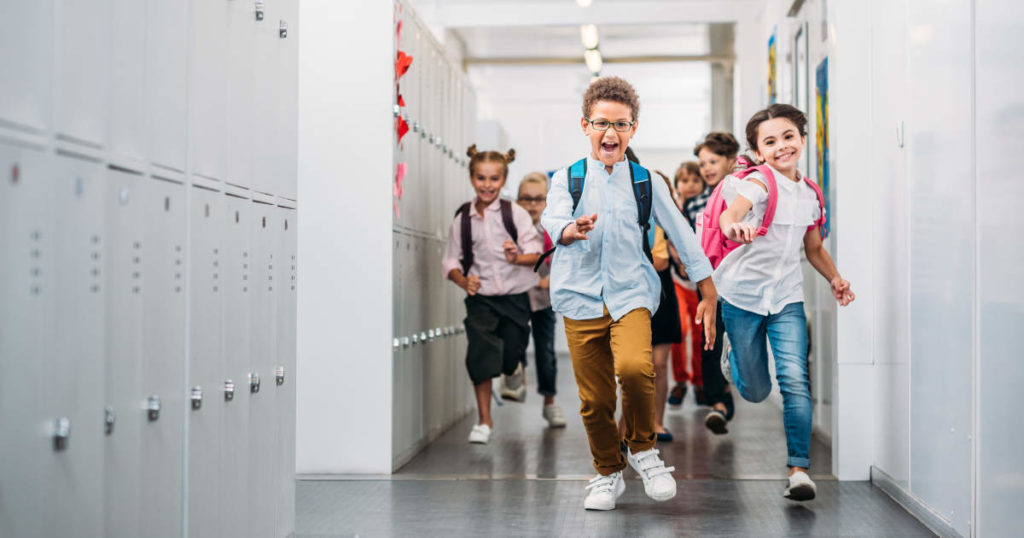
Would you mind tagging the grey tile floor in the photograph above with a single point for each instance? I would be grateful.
(529, 482)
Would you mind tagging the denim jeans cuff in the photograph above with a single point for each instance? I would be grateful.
(798, 462)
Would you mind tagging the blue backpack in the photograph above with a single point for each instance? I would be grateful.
(642, 191)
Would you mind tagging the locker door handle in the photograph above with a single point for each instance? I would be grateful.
(283, 30)
(395, 344)
(229, 390)
(279, 375)
(153, 408)
(430, 335)
(109, 417)
(61, 433)
(405, 341)
(254, 382)
(259, 10)
(197, 398)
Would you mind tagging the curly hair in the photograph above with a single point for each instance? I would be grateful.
(612, 89)
(476, 157)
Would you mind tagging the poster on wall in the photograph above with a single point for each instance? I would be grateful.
(822, 141)
(773, 82)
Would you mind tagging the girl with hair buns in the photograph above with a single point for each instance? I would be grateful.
(492, 246)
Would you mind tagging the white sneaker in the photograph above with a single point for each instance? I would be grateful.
(603, 491)
(658, 482)
(553, 414)
(513, 387)
(801, 487)
(480, 434)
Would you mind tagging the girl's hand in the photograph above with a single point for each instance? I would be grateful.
(511, 251)
(578, 230)
(544, 283)
(472, 284)
(841, 291)
(741, 232)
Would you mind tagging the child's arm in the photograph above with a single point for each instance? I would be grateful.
(531, 244)
(471, 283)
(557, 218)
(451, 266)
(822, 262)
(731, 222)
(515, 258)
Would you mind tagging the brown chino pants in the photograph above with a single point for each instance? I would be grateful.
(601, 349)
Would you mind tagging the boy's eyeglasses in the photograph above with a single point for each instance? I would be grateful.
(603, 125)
(533, 199)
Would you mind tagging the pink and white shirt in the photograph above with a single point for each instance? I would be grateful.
(497, 275)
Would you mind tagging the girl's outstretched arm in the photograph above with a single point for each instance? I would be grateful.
(822, 262)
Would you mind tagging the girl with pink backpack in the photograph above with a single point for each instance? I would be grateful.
(753, 228)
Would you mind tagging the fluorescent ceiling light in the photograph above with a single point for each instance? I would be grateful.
(593, 60)
(583, 3)
(588, 34)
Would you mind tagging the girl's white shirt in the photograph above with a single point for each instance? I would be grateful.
(765, 276)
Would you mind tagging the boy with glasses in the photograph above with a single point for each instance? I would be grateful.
(606, 288)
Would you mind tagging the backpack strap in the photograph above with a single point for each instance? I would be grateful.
(577, 175)
(820, 223)
(467, 238)
(642, 191)
(508, 221)
(773, 194)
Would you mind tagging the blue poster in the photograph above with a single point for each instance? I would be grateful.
(822, 142)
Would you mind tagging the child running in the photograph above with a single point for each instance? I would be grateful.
(604, 285)
(761, 283)
(492, 244)
(533, 192)
(689, 184)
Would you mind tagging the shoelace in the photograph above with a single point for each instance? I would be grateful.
(650, 464)
(601, 483)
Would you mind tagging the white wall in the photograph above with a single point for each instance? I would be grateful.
(344, 309)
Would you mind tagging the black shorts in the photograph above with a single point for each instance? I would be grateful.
(498, 330)
(666, 327)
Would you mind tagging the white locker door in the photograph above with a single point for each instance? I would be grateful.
(73, 377)
(163, 356)
(205, 363)
(286, 271)
(25, 76)
(83, 67)
(262, 403)
(264, 88)
(167, 73)
(241, 99)
(207, 114)
(25, 294)
(236, 315)
(287, 122)
(127, 79)
(122, 420)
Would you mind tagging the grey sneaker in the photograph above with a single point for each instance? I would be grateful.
(801, 487)
(513, 387)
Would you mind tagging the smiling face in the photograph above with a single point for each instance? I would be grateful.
(609, 146)
(488, 178)
(779, 144)
(714, 167)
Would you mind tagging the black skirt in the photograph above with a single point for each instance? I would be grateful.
(666, 327)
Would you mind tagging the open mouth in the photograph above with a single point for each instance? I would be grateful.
(609, 147)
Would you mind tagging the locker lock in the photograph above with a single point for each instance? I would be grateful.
(259, 10)
(423, 336)
(423, 134)
(229, 390)
(279, 375)
(397, 110)
(437, 332)
(254, 382)
(405, 341)
(61, 433)
(415, 126)
(430, 335)
(153, 408)
(415, 339)
(395, 344)
(197, 397)
(108, 420)
(282, 30)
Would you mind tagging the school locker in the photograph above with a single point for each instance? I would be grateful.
(236, 319)
(26, 294)
(25, 76)
(122, 421)
(208, 89)
(241, 104)
(286, 77)
(166, 81)
(262, 397)
(264, 88)
(127, 79)
(205, 362)
(73, 372)
(284, 372)
(83, 62)
(163, 356)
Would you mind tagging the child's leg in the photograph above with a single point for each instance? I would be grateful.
(659, 355)
(483, 403)
(711, 368)
(696, 338)
(679, 372)
(748, 357)
(787, 333)
(630, 340)
(543, 322)
(594, 369)
(483, 351)
(513, 330)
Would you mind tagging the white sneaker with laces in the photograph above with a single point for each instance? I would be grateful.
(513, 387)
(801, 487)
(481, 434)
(553, 414)
(603, 491)
(658, 482)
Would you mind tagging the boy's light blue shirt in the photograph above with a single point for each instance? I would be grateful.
(610, 269)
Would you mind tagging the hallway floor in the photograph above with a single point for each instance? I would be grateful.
(529, 481)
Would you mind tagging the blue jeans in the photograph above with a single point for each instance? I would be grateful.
(749, 335)
(543, 324)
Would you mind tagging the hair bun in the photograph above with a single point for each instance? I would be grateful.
(471, 152)
(510, 156)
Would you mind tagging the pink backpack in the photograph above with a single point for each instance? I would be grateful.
(714, 241)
